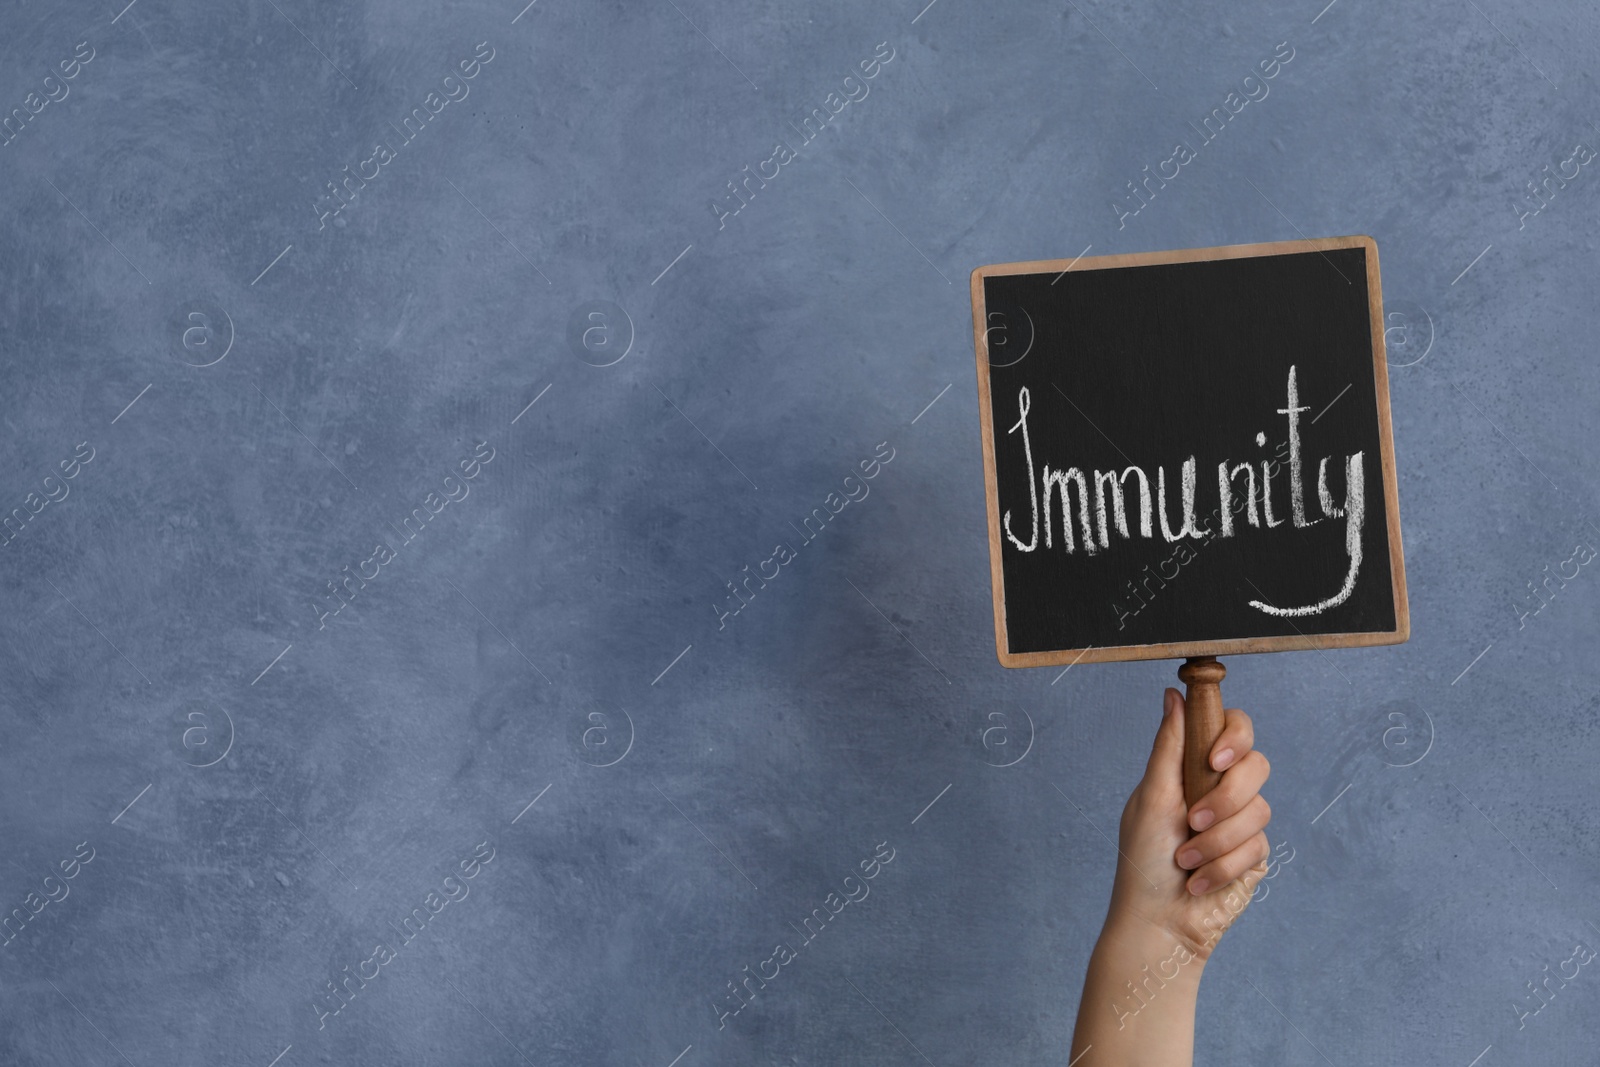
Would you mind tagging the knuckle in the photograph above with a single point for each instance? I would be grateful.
(1266, 809)
(1227, 802)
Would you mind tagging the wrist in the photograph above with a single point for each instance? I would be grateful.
(1143, 949)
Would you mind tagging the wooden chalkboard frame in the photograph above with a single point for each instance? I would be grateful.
(1231, 646)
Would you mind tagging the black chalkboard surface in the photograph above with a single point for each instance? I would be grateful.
(1188, 453)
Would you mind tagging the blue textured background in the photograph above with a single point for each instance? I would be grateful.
(567, 606)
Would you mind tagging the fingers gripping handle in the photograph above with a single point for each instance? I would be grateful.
(1202, 724)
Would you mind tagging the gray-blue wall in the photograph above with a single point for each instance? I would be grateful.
(267, 791)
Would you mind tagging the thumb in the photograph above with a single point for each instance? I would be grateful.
(1164, 771)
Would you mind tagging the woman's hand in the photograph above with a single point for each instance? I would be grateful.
(1174, 896)
(1190, 889)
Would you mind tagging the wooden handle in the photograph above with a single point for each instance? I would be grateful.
(1202, 724)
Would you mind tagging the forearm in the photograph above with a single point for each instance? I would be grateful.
(1138, 1002)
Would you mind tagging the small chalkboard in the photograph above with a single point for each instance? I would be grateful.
(1188, 453)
